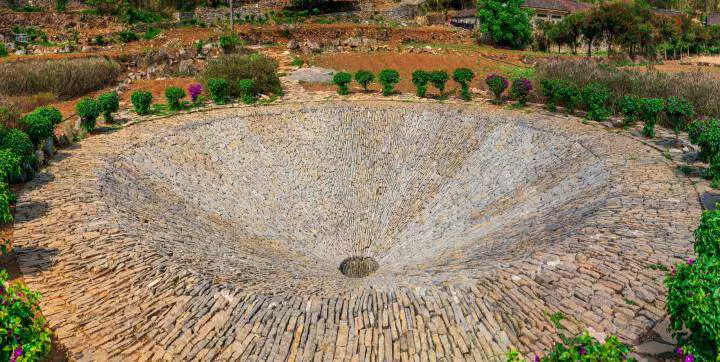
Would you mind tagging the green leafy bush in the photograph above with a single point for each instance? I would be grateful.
(10, 166)
(506, 21)
(246, 88)
(109, 103)
(51, 113)
(341, 79)
(7, 198)
(37, 126)
(88, 110)
(438, 78)
(127, 36)
(707, 234)
(228, 42)
(19, 143)
(364, 78)
(3, 50)
(23, 331)
(151, 33)
(586, 348)
(629, 107)
(464, 76)
(234, 67)
(141, 100)
(679, 112)
(520, 90)
(549, 89)
(420, 78)
(569, 95)
(705, 132)
(650, 109)
(595, 97)
(497, 84)
(388, 78)
(218, 89)
(174, 96)
(61, 5)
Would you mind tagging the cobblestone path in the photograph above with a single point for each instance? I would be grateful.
(218, 235)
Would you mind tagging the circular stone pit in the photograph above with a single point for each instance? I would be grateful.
(218, 235)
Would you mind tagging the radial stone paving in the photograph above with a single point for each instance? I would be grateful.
(221, 235)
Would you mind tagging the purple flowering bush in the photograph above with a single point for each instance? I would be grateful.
(521, 88)
(23, 332)
(497, 84)
(195, 90)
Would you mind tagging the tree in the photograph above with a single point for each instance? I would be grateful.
(506, 21)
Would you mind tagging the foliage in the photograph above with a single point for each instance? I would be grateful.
(17, 142)
(341, 79)
(151, 33)
(650, 109)
(7, 198)
(174, 96)
(65, 78)
(134, 15)
(61, 5)
(464, 76)
(51, 113)
(388, 78)
(246, 90)
(109, 103)
(420, 78)
(629, 107)
(234, 67)
(693, 304)
(569, 95)
(37, 126)
(364, 78)
(35, 35)
(218, 89)
(521, 88)
(8, 116)
(228, 42)
(497, 84)
(195, 90)
(705, 132)
(141, 100)
(549, 89)
(679, 112)
(595, 96)
(438, 78)
(707, 234)
(24, 335)
(88, 110)
(586, 348)
(3, 50)
(10, 166)
(127, 36)
(506, 21)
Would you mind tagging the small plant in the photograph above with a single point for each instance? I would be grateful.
(341, 79)
(388, 78)
(549, 90)
(25, 335)
(37, 126)
(629, 107)
(88, 110)
(420, 78)
(586, 348)
(297, 62)
(109, 103)
(521, 88)
(3, 50)
(151, 33)
(438, 78)
(650, 109)
(128, 36)
(705, 132)
(218, 89)
(10, 166)
(141, 100)
(569, 94)
(364, 78)
(195, 90)
(7, 198)
(174, 96)
(19, 143)
(679, 111)
(229, 42)
(595, 96)
(246, 91)
(497, 84)
(61, 5)
(464, 76)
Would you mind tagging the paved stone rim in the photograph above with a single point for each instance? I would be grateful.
(108, 295)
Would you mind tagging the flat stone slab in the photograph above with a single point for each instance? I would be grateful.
(219, 235)
(312, 75)
(709, 200)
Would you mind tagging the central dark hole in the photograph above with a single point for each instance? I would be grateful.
(358, 266)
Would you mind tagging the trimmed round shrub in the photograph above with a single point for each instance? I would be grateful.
(420, 78)
(260, 68)
(88, 110)
(26, 336)
(438, 78)
(388, 78)
(109, 103)
(364, 78)
(595, 96)
(37, 126)
(246, 87)
(341, 79)
(650, 109)
(679, 112)
(51, 113)
(174, 96)
(497, 84)
(141, 100)
(10, 166)
(18, 142)
(629, 107)
(521, 88)
(218, 90)
(464, 76)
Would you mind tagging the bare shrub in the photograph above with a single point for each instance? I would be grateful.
(27, 103)
(235, 67)
(702, 90)
(65, 78)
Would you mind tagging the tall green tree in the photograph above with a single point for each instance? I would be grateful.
(506, 21)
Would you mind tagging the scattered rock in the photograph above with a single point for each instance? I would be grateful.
(313, 75)
(293, 45)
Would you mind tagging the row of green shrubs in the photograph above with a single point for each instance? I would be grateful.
(88, 109)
